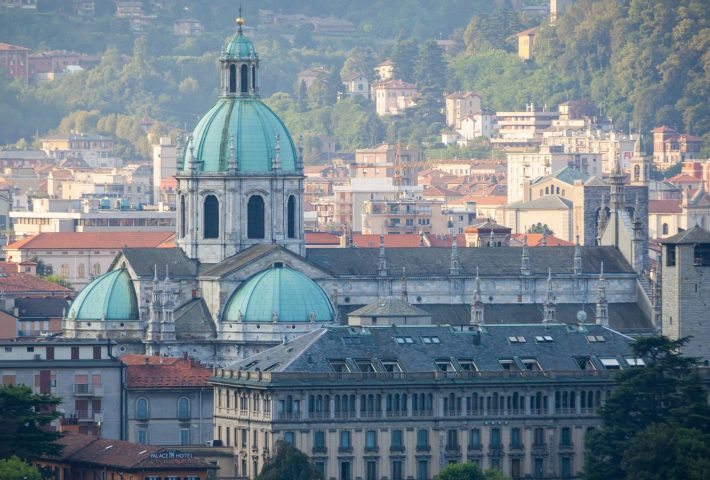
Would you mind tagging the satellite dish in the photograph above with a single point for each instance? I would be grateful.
(582, 316)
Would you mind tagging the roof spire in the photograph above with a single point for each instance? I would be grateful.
(405, 296)
(525, 261)
(382, 260)
(549, 315)
(577, 257)
(454, 268)
(477, 306)
(602, 312)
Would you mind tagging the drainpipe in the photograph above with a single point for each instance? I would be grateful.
(200, 422)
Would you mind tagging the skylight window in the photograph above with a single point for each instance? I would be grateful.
(635, 361)
(429, 339)
(544, 339)
(516, 339)
(595, 339)
(404, 340)
(610, 363)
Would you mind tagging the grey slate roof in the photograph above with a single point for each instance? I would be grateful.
(193, 321)
(236, 261)
(41, 308)
(390, 307)
(494, 261)
(143, 260)
(692, 235)
(623, 317)
(311, 353)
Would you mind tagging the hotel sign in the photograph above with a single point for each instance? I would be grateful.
(170, 455)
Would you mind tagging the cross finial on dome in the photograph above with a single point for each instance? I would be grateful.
(240, 20)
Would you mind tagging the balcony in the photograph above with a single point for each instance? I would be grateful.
(88, 390)
(397, 448)
(289, 416)
(320, 449)
(87, 416)
(423, 448)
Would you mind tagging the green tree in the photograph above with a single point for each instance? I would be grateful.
(289, 463)
(14, 468)
(468, 471)
(541, 229)
(666, 392)
(24, 416)
(404, 58)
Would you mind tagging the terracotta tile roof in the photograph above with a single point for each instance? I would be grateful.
(12, 281)
(444, 241)
(535, 240)
(91, 240)
(321, 238)
(391, 241)
(664, 206)
(168, 242)
(7, 46)
(663, 129)
(117, 453)
(491, 200)
(683, 178)
(164, 372)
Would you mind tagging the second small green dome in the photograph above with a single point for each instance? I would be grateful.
(108, 297)
(286, 293)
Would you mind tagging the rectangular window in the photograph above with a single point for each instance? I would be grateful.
(97, 353)
(566, 467)
(370, 440)
(610, 363)
(290, 438)
(397, 439)
(319, 440)
(670, 255)
(452, 439)
(474, 439)
(75, 353)
(538, 468)
(515, 467)
(184, 436)
(50, 353)
(539, 437)
(142, 435)
(495, 437)
(515, 438)
(345, 439)
(422, 470)
(397, 470)
(422, 438)
(345, 471)
(371, 470)
(565, 437)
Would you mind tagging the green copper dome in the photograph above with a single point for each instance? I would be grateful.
(240, 47)
(254, 128)
(108, 297)
(289, 294)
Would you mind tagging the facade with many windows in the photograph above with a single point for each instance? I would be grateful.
(404, 401)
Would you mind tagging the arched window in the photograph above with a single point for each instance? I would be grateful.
(211, 228)
(253, 78)
(182, 216)
(291, 222)
(183, 408)
(547, 190)
(637, 173)
(244, 79)
(64, 271)
(142, 409)
(96, 270)
(665, 229)
(557, 190)
(80, 271)
(233, 78)
(255, 217)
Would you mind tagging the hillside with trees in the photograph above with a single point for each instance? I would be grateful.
(644, 63)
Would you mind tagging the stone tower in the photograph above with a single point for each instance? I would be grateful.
(686, 289)
(640, 164)
(240, 178)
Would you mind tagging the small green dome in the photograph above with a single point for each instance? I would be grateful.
(290, 294)
(253, 126)
(240, 47)
(108, 297)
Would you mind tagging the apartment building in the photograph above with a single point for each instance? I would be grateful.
(85, 374)
(523, 130)
(402, 402)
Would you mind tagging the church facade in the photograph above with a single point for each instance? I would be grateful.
(240, 279)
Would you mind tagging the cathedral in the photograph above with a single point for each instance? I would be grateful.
(241, 280)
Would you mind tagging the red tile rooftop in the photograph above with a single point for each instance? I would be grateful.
(93, 240)
(164, 372)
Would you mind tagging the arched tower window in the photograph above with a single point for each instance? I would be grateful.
(142, 409)
(291, 217)
(664, 229)
(182, 216)
(183, 408)
(233, 78)
(255, 217)
(211, 228)
(637, 173)
(253, 78)
(244, 78)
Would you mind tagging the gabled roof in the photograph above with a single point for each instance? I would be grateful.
(494, 262)
(164, 372)
(548, 202)
(692, 235)
(390, 307)
(664, 206)
(236, 261)
(12, 282)
(144, 261)
(193, 321)
(90, 240)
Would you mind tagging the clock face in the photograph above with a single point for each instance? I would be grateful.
(582, 316)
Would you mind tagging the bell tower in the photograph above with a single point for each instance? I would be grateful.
(640, 164)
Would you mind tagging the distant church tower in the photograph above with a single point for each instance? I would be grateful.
(240, 178)
(640, 164)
